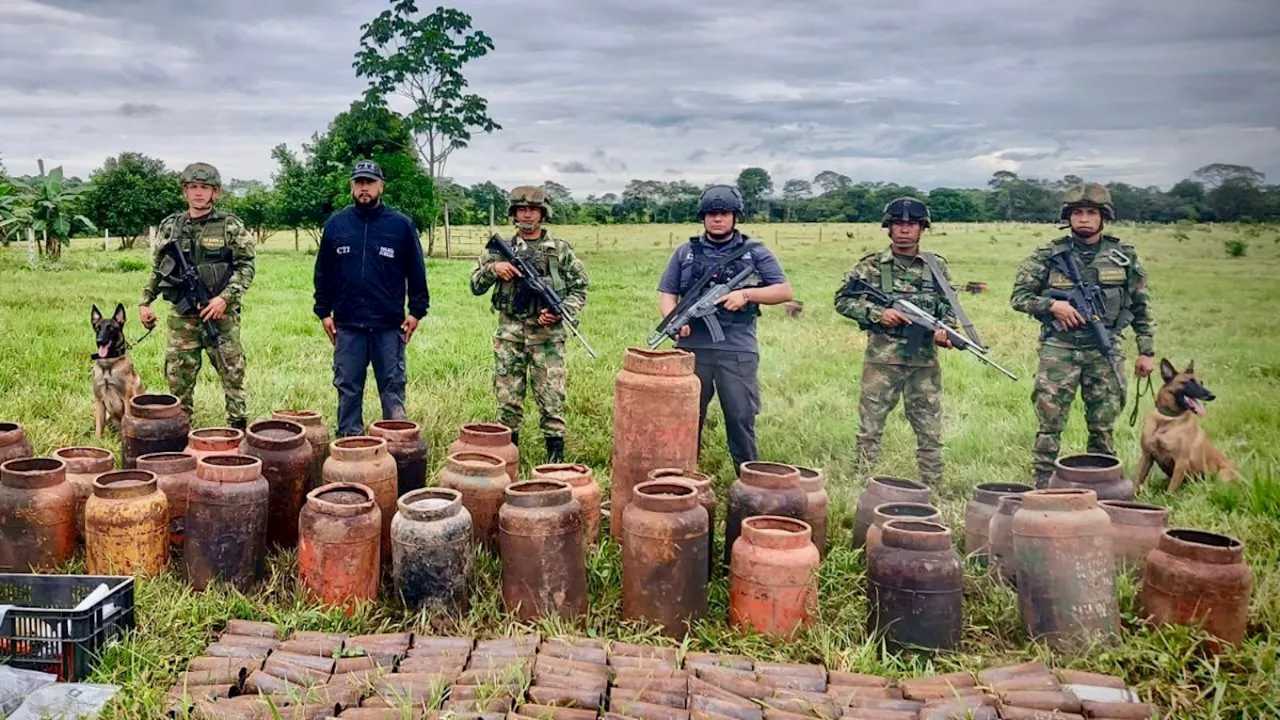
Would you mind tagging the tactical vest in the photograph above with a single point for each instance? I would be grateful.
(701, 263)
(1110, 276)
(211, 257)
(927, 296)
(511, 297)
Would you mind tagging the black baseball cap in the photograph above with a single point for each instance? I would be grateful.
(366, 169)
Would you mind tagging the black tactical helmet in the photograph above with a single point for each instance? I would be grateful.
(720, 198)
(905, 209)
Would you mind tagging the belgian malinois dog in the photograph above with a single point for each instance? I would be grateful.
(115, 382)
(1172, 437)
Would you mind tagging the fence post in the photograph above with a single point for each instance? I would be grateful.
(490, 218)
(31, 247)
(597, 238)
(447, 233)
(819, 233)
(106, 239)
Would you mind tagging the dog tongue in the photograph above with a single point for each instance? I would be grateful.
(1195, 406)
(103, 350)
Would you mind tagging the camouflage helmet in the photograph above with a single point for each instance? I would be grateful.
(1088, 195)
(529, 196)
(201, 173)
(905, 209)
(721, 198)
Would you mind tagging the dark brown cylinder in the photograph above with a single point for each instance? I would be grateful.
(37, 515)
(815, 488)
(317, 434)
(226, 529)
(882, 514)
(1135, 531)
(585, 490)
(1199, 578)
(915, 587)
(773, 577)
(482, 480)
(405, 443)
(13, 442)
(174, 474)
(339, 531)
(127, 525)
(763, 488)
(883, 489)
(214, 441)
(155, 423)
(706, 498)
(1066, 572)
(432, 553)
(655, 422)
(490, 439)
(286, 458)
(1000, 539)
(365, 460)
(664, 561)
(978, 514)
(543, 566)
(84, 465)
(1103, 474)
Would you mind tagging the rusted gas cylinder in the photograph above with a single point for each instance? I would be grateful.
(155, 423)
(585, 490)
(174, 474)
(543, 565)
(282, 447)
(1000, 539)
(706, 498)
(339, 533)
(773, 577)
(431, 546)
(405, 443)
(226, 530)
(883, 489)
(763, 488)
(84, 465)
(482, 480)
(1103, 474)
(490, 439)
(126, 525)
(664, 556)
(214, 441)
(317, 433)
(1066, 572)
(815, 488)
(1136, 529)
(1198, 578)
(655, 422)
(919, 512)
(365, 460)
(915, 587)
(13, 442)
(37, 515)
(978, 514)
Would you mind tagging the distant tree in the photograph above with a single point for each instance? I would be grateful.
(1002, 184)
(1215, 174)
(421, 59)
(52, 202)
(1237, 198)
(488, 195)
(950, 205)
(256, 205)
(15, 214)
(755, 185)
(304, 199)
(831, 181)
(130, 193)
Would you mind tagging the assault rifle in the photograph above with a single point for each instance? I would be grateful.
(699, 306)
(194, 292)
(537, 287)
(1088, 301)
(923, 320)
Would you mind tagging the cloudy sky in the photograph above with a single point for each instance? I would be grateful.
(592, 93)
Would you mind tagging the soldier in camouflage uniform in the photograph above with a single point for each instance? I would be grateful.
(529, 342)
(1069, 359)
(900, 360)
(222, 252)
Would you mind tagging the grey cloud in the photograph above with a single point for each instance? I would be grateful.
(139, 109)
(573, 168)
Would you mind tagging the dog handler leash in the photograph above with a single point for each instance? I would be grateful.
(1138, 392)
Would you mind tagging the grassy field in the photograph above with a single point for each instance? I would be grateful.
(1214, 308)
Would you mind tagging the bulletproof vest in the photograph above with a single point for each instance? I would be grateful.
(1102, 270)
(208, 248)
(926, 294)
(702, 262)
(512, 297)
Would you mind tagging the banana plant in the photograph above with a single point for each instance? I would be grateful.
(50, 202)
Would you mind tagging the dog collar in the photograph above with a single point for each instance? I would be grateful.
(1170, 413)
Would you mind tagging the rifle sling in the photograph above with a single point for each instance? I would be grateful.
(691, 295)
(931, 261)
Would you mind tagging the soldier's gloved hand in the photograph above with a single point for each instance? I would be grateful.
(892, 318)
(1145, 366)
(214, 311)
(505, 271)
(1064, 313)
(941, 338)
(546, 318)
(146, 316)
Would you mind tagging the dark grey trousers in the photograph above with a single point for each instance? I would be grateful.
(355, 349)
(732, 375)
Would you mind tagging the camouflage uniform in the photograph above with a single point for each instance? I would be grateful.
(892, 367)
(523, 348)
(222, 251)
(1071, 360)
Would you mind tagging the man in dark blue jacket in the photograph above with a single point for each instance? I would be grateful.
(370, 259)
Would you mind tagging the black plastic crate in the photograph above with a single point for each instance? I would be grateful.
(42, 632)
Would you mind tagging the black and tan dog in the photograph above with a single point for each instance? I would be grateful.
(1172, 437)
(115, 382)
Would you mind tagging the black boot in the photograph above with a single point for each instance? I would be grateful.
(1042, 480)
(241, 424)
(555, 450)
(515, 438)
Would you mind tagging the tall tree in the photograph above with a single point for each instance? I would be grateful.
(303, 197)
(949, 205)
(130, 193)
(755, 185)
(255, 204)
(793, 191)
(421, 59)
(487, 195)
(830, 181)
(1215, 174)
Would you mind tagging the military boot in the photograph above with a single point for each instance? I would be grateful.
(555, 450)
(1042, 480)
(240, 424)
(515, 438)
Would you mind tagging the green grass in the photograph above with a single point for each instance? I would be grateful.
(1211, 307)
